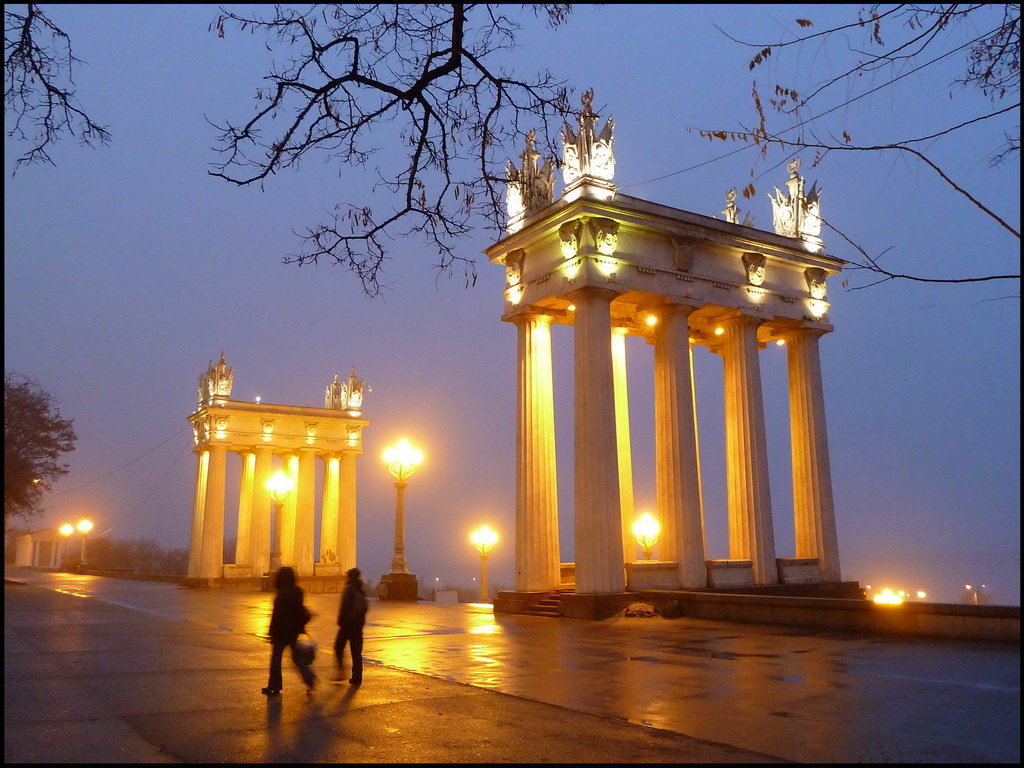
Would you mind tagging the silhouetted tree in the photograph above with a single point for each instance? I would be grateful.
(421, 74)
(39, 88)
(35, 438)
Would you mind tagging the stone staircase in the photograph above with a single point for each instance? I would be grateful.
(549, 605)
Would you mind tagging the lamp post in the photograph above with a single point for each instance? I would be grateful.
(280, 485)
(646, 530)
(484, 539)
(84, 526)
(402, 460)
(65, 530)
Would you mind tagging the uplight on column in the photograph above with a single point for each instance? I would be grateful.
(484, 538)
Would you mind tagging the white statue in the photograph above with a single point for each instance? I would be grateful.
(346, 395)
(587, 153)
(216, 382)
(731, 212)
(530, 188)
(797, 214)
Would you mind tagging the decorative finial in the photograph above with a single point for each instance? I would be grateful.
(215, 383)
(530, 188)
(588, 160)
(798, 214)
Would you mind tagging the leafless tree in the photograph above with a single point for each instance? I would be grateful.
(900, 41)
(427, 75)
(39, 88)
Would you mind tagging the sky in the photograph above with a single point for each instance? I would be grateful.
(128, 268)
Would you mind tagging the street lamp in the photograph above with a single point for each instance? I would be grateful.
(84, 526)
(280, 484)
(646, 530)
(402, 460)
(484, 539)
(65, 530)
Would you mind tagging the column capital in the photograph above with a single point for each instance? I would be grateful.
(814, 330)
(597, 291)
(530, 313)
(744, 317)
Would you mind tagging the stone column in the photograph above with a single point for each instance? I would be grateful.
(751, 535)
(259, 541)
(676, 470)
(537, 553)
(347, 511)
(813, 510)
(329, 510)
(287, 512)
(211, 564)
(243, 534)
(195, 550)
(622, 437)
(305, 513)
(600, 568)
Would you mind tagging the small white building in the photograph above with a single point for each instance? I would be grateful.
(39, 549)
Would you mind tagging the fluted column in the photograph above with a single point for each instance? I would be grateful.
(813, 509)
(287, 511)
(305, 513)
(676, 469)
(246, 488)
(600, 567)
(537, 553)
(195, 550)
(347, 511)
(259, 541)
(751, 535)
(622, 437)
(329, 509)
(211, 565)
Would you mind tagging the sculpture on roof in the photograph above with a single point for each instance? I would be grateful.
(586, 154)
(530, 188)
(798, 214)
(215, 382)
(346, 395)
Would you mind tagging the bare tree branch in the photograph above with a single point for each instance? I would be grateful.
(39, 90)
(422, 71)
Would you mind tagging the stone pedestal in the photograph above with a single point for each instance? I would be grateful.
(398, 586)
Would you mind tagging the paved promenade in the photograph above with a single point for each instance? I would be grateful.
(106, 670)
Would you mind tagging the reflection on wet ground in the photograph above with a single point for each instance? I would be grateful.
(807, 696)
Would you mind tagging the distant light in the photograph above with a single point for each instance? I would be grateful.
(652, 320)
(719, 331)
(85, 526)
(571, 307)
(921, 595)
(780, 343)
(67, 529)
(887, 597)
(967, 586)
(257, 399)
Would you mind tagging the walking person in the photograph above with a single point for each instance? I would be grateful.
(351, 619)
(287, 622)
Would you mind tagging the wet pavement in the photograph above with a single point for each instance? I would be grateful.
(111, 670)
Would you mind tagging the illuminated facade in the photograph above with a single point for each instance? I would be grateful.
(613, 266)
(296, 438)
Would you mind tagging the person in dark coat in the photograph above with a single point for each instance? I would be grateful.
(287, 622)
(351, 619)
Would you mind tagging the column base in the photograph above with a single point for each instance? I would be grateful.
(398, 586)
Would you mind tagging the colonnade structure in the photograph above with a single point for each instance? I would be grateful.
(270, 438)
(613, 266)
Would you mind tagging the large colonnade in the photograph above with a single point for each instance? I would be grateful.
(299, 441)
(610, 266)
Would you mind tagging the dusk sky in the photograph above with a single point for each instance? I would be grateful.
(129, 268)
